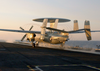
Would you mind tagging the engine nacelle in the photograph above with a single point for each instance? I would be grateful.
(31, 36)
(57, 40)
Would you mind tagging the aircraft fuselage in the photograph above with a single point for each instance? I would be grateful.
(53, 38)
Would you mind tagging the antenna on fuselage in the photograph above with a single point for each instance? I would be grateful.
(53, 24)
(43, 28)
(53, 21)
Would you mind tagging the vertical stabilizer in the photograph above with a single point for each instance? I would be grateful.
(75, 25)
(87, 30)
(43, 29)
(56, 23)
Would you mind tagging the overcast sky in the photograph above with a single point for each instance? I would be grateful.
(16, 13)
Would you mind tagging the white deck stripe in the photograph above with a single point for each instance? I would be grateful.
(39, 68)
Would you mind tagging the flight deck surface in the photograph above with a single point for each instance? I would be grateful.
(15, 57)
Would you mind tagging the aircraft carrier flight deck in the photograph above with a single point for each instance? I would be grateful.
(15, 57)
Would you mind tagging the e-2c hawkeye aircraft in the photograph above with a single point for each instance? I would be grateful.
(54, 36)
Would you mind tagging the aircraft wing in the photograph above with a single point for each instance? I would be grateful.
(77, 31)
(21, 31)
(39, 32)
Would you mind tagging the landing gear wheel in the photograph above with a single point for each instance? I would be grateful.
(62, 45)
(37, 43)
(33, 44)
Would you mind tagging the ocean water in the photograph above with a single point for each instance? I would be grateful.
(87, 44)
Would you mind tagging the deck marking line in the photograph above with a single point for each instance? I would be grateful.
(59, 65)
(30, 68)
(92, 67)
(89, 66)
(38, 68)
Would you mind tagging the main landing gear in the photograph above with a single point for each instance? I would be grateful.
(34, 44)
(62, 45)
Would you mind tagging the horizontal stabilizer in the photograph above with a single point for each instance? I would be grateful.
(63, 30)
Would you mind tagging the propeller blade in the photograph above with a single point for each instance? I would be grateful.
(21, 28)
(25, 34)
(31, 28)
(23, 37)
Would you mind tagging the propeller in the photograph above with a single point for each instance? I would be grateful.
(25, 34)
(21, 28)
(31, 28)
(23, 37)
